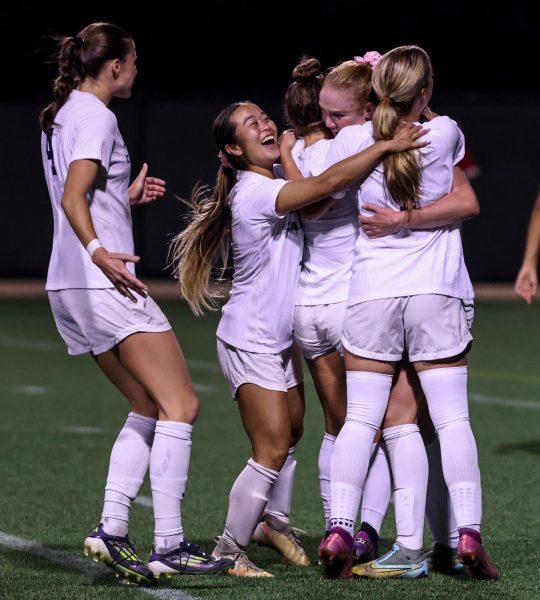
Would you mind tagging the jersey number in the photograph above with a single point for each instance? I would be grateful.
(50, 155)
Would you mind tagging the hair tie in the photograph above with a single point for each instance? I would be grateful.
(225, 162)
(371, 58)
(386, 99)
(78, 41)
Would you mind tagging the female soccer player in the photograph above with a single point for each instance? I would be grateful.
(102, 308)
(255, 210)
(409, 292)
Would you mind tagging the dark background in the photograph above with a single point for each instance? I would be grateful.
(196, 58)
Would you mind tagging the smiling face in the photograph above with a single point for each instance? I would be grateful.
(256, 137)
(340, 108)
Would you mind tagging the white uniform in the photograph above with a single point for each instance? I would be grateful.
(85, 128)
(326, 264)
(410, 262)
(258, 317)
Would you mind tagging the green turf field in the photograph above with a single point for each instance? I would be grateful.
(59, 419)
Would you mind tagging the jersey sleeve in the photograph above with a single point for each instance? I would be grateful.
(447, 140)
(94, 137)
(348, 142)
(319, 157)
(259, 202)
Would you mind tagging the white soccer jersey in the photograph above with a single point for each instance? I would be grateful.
(328, 241)
(267, 252)
(410, 262)
(86, 129)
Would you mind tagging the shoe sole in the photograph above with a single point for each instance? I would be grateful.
(187, 571)
(95, 548)
(366, 570)
(234, 573)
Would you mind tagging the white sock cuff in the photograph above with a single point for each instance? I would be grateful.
(145, 426)
(181, 431)
(137, 418)
(368, 376)
(328, 441)
(397, 431)
(445, 371)
(269, 474)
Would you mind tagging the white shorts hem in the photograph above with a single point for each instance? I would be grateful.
(361, 353)
(121, 336)
(441, 354)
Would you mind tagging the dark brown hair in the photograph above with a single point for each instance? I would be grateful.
(301, 101)
(81, 56)
(207, 235)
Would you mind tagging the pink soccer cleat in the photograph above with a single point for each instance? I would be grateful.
(336, 554)
(472, 554)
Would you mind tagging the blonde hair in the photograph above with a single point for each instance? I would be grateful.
(399, 77)
(354, 76)
(207, 235)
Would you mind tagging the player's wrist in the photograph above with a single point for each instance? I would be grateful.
(92, 246)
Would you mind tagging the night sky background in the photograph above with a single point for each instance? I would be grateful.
(240, 47)
(194, 58)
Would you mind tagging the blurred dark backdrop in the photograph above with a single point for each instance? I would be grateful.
(196, 58)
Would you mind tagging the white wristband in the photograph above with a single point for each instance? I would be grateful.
(93, 246)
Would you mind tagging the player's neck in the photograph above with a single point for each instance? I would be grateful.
(95, 87)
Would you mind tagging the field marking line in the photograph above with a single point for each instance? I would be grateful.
(508, 402)
(87, 566)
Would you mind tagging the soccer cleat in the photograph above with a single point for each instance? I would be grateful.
(118, 553)
(319, 561)
(364, 550)
(284, 542)
(336, 554)
(472, 554)
(187, 559)
(396, 564)
(443, 559)
(240, 565)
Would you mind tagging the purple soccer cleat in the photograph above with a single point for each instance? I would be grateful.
(187, 559)
(363, 549)
(336, 554)
(472, 554)
(119, 554)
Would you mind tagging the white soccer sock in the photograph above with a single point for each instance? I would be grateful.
(439, 514)
(446, 394)
(169, 464)
(377, 489)
(247, 500)
(410, 471)
(325, 455)
(280, 497)
(367, 398)
(130, 456)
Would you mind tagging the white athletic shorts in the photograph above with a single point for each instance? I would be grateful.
(270, 371)
(317, 329)
(95, 321)
(427, 326)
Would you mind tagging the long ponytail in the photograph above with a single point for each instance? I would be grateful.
(398, 78)
(208, 233)
(206, 238)
(80, 56)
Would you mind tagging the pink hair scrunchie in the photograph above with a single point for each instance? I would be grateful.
(225, 162)
(371, 58)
